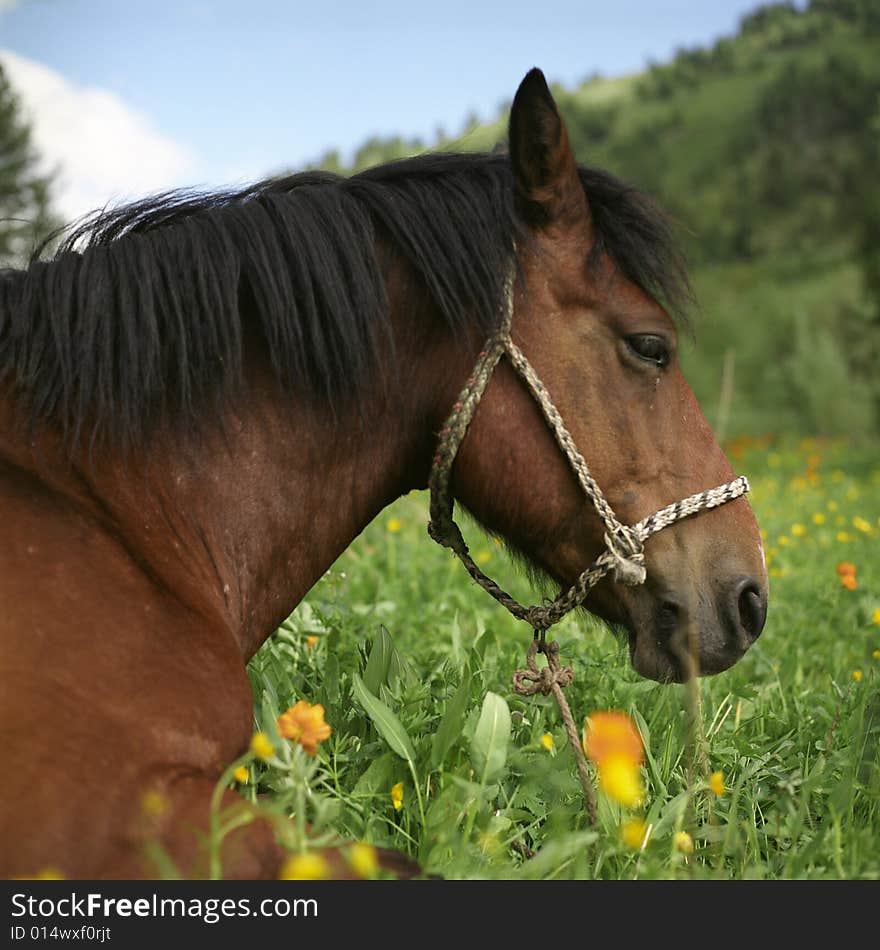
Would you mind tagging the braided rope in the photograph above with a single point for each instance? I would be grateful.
(624, 554)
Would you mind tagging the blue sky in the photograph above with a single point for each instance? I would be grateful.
(136, 96)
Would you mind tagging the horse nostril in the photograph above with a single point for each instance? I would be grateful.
(752, 608)
(667, 618)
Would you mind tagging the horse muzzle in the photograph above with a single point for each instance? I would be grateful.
(674, 637)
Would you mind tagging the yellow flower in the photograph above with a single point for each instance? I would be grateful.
(483, 557)
(857, 675)
(547, 741)
(394, 525)
(798, 530)
(620, 778)
(241, 774)
(153, 803)
(310, 642)
(716, 783)
(832, 506)
(843, 537)
(783, 541)
(633, 833)
(612, 733)
(683, 842)
(304, 723)
(363, 860)
(397, 796)
(818, 518)
(876, 654)
(875, 617)
(305, 867)
(261, 747)
(862, 525)
(44, 874)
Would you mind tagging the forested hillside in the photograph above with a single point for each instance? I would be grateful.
(765, 147)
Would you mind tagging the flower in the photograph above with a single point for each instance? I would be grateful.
(818, 518)
(849, 581)
(683, 842)
(44, 874)
(309, 866)
(261, 747)
(241, 774)
(875, 617)
(310, 642)
(876, 654)
(609, 733)
(612, 741)
(843, 537)
(634, 833)
(857, 675)
(304, 723)
(862, 525)
(363, 860)
(716, 783)
(483, 557)
(846, 567)
(620, 779)
(547, 741)
(397, 796)
(798, 530)
(153, 803)
(394, 525)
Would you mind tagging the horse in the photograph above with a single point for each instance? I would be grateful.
(205, 397)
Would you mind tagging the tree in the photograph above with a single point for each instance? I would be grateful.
(25, 217)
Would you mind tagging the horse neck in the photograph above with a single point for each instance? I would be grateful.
(240, 523)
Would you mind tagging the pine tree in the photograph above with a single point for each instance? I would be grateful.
(25, 217)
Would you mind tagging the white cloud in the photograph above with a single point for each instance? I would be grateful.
(104, 151)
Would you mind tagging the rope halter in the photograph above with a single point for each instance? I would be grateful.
(624, 554)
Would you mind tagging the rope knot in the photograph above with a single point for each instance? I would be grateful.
(530, 681)
(626, 556)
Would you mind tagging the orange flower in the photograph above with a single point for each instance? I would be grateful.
(304, 723)
(310, 642)
(612, 733)
(846, 568)
(849, 581)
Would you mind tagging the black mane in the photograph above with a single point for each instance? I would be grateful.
(143, 311)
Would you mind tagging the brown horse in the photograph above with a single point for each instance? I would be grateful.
(204, 399)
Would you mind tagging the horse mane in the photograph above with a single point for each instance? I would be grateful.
(142, 311)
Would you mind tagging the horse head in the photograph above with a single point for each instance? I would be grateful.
(607, 353)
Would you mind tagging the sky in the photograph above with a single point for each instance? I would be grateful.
(130, 97)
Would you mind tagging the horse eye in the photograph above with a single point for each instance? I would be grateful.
(649, 347)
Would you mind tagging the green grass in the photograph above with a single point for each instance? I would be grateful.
(413, 665)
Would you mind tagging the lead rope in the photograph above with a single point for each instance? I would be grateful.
(624, 554)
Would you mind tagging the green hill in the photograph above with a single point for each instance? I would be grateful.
(765, 147)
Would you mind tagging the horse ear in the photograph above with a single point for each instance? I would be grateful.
(547, 186)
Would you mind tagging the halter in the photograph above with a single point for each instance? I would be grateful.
(624, 554)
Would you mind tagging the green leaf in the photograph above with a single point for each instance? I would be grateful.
(491, 738)
(377, 780)
(450, 726)
(656, 777)
(387, 724)
(555, 855)
(379, 661)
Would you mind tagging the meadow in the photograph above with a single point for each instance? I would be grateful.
(432, 752)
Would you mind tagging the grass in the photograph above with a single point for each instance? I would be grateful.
(413, 663)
